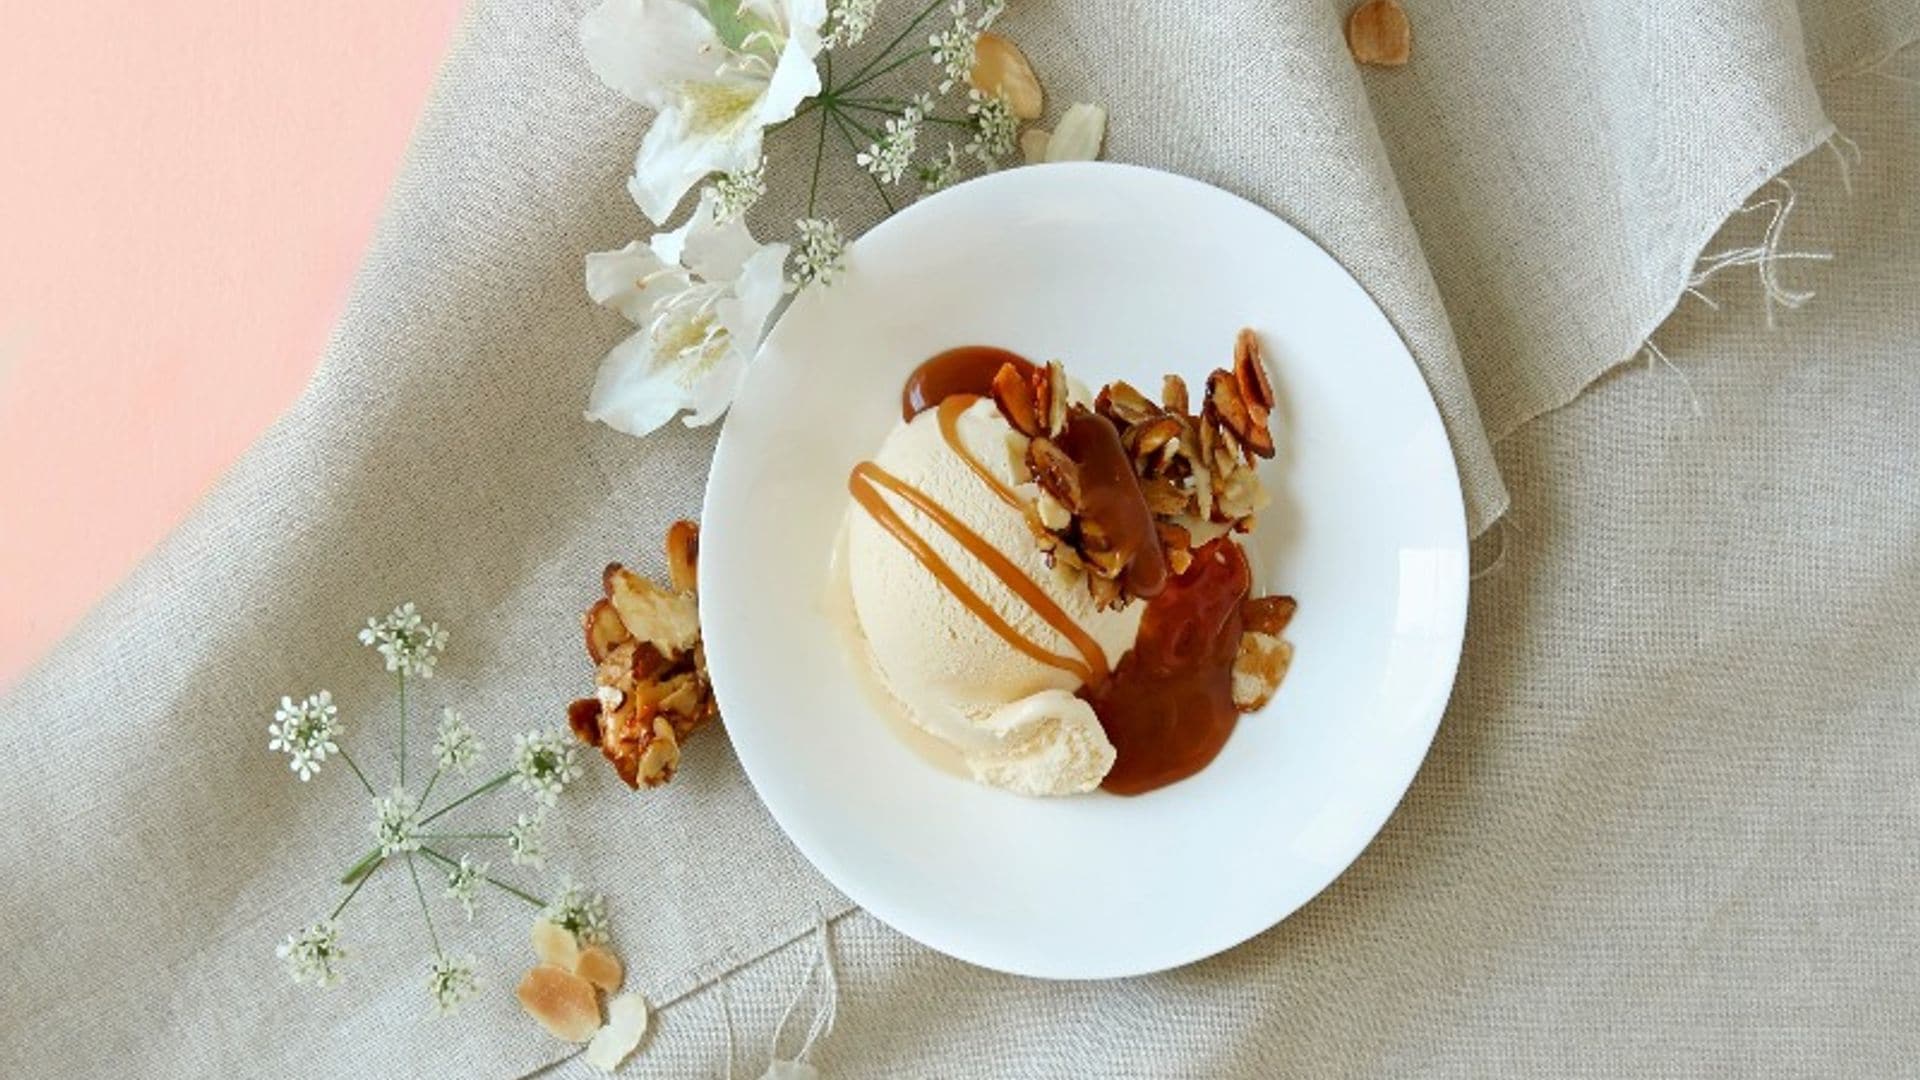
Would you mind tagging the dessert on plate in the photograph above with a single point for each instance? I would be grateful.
(1049, 582)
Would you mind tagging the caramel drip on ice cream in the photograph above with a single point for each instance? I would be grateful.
(949, 416)
(866, 483)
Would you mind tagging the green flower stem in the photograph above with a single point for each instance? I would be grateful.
(862, 80)
(819, 147)
(401, 677)
(895, 43)
(431, 780)
(474, 794)
(848, 135)
(348, 758)
(888, 107)
(367, 865)
(355, 891)
(488, 878)
(425, 912)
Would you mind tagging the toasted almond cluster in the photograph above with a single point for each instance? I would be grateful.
(1193, 468)
(1264, 655)
(650, 667)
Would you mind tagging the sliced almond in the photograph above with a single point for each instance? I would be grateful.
(1149, 438)
(554, 944)
(1033, 145)
(1267, 614)
(1015, 397)
(1225, 402)
(1173, 393)
(604, 630)
(668, 621)
(563, 1003)
(1056, 398)
(1079, 134)
(626, 1026)
(660, 755)
(600, 967)
(683, 554)
(1122, 404)
(1378, 33)
(1000, 68)
(1250, 370)
(1057, 474)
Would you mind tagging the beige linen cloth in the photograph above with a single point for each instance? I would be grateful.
(1667, 827)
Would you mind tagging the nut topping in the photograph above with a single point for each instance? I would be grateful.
(1016, 400)
(651, 686)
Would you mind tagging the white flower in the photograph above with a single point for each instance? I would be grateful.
(523, 840)
(850, 20)
(410, 645)
(995, 128)
(941, 172)
(736, 192)
(454, 744)
(463, 882)
(543, 764)
(888, 157)
(310, 953)
(717, 74)
(821, 254)
(305, 731)
(701, 296)
(451, 983)
(396, 824)
(953, 47)
(579, 913)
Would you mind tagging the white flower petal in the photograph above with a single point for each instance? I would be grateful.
(795, 79)
(716, 252)
(633, 392)
(619, 279)
(804, 20)
(673, 157)
(646, 49)
(709, 398)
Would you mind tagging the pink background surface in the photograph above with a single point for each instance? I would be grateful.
(188, 189)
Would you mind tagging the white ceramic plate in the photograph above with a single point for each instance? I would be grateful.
(1121, 273)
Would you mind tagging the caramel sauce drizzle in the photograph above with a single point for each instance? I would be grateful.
(949, 416)
(865, 484)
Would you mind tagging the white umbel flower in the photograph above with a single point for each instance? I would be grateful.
(396, 824)
(544, 764)
(310, 953)
(409, 643)
(455, 747)
(463, 883)
(888, 157)
(716, 74)
(940, 172)
(306, 731)
(953, 47)
(582, 914)
(995, 128)
(849, 20)
(523, 841)
(736, 192)
(701, 296)
(821, 254)
(450, 983)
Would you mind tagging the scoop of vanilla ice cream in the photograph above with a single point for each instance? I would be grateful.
(1012, 718)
